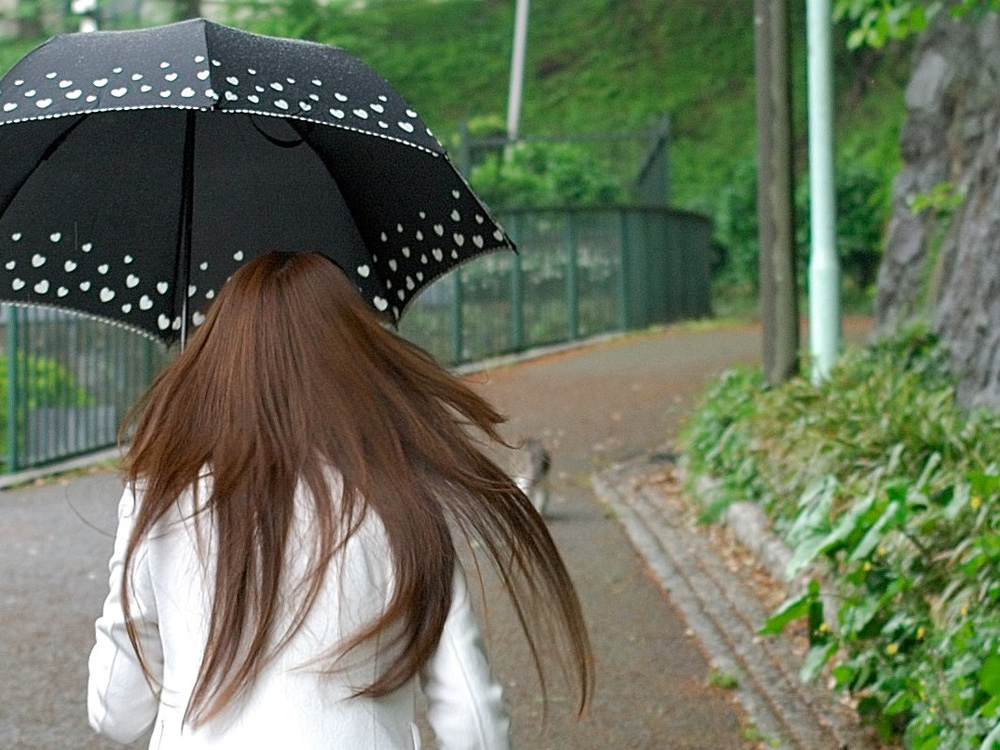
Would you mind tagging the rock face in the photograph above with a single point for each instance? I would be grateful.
(944, 266)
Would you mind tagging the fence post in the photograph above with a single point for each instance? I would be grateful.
(147, 369)
(624, 259)
(464, 150)
(572, 295)
(12, 344)
(457, 334)
(516, 290)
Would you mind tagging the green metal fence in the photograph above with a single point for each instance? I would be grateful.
(579, 272)
(69, 379)
(67, 382)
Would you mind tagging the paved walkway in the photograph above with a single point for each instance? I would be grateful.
(594, 407)
(712, 587)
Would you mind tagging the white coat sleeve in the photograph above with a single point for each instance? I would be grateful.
(121, 703)
(465, 703)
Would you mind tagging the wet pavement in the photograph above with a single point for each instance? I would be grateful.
(594, 407)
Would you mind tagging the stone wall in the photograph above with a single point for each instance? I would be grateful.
(945, 268)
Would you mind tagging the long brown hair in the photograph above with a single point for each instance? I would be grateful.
(289, 375)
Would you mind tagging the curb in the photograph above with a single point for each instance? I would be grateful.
(725, 615)
(85, 461)
(750, 527)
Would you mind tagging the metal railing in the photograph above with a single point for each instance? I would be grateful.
(579, 272)
(67, 380)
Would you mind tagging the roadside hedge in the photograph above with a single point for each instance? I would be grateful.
(882, 475)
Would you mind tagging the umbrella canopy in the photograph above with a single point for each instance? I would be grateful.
(141, 168)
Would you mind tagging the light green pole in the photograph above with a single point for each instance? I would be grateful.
(517, 69)
(824, 266)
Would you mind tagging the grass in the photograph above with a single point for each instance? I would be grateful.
(723, 679)
(604, 66)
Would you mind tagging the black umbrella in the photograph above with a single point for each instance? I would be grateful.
(139, 169)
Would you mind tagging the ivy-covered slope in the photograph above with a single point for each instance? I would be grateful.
(599, 66)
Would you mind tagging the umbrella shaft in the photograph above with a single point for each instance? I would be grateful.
(187, 213)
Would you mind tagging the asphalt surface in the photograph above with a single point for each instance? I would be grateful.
(593, 407)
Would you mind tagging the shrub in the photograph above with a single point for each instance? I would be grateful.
(545, 174)
(42, 382)
(878, 472)
(861, 216)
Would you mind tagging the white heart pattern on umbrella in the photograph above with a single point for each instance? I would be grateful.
(420, 233)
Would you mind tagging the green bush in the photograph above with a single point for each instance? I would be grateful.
(42, 382)
(545, 174)
(879, 473)
(862, 211)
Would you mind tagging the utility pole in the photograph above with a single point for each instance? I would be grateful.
(775, 206)
(87, 11)
(824, 265)
(517, 69)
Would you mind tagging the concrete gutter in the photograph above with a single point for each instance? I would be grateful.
(725, 615)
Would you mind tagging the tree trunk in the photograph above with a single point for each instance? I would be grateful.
(775, 201)
(189, 9)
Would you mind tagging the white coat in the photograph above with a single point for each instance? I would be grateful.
(291, 704)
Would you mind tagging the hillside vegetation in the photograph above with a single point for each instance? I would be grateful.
(609, 66)
(605, 66)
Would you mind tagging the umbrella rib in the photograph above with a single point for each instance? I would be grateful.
(274, 141)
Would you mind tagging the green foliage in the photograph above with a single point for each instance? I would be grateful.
(941, 200)
(881, 475)
(937, 206)
(593, 66)
(545, 174)
(862, 199)
(879, 21)
(876, 22)
(12, 50)
(42, 382)
(723, 680)
(736, 227)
